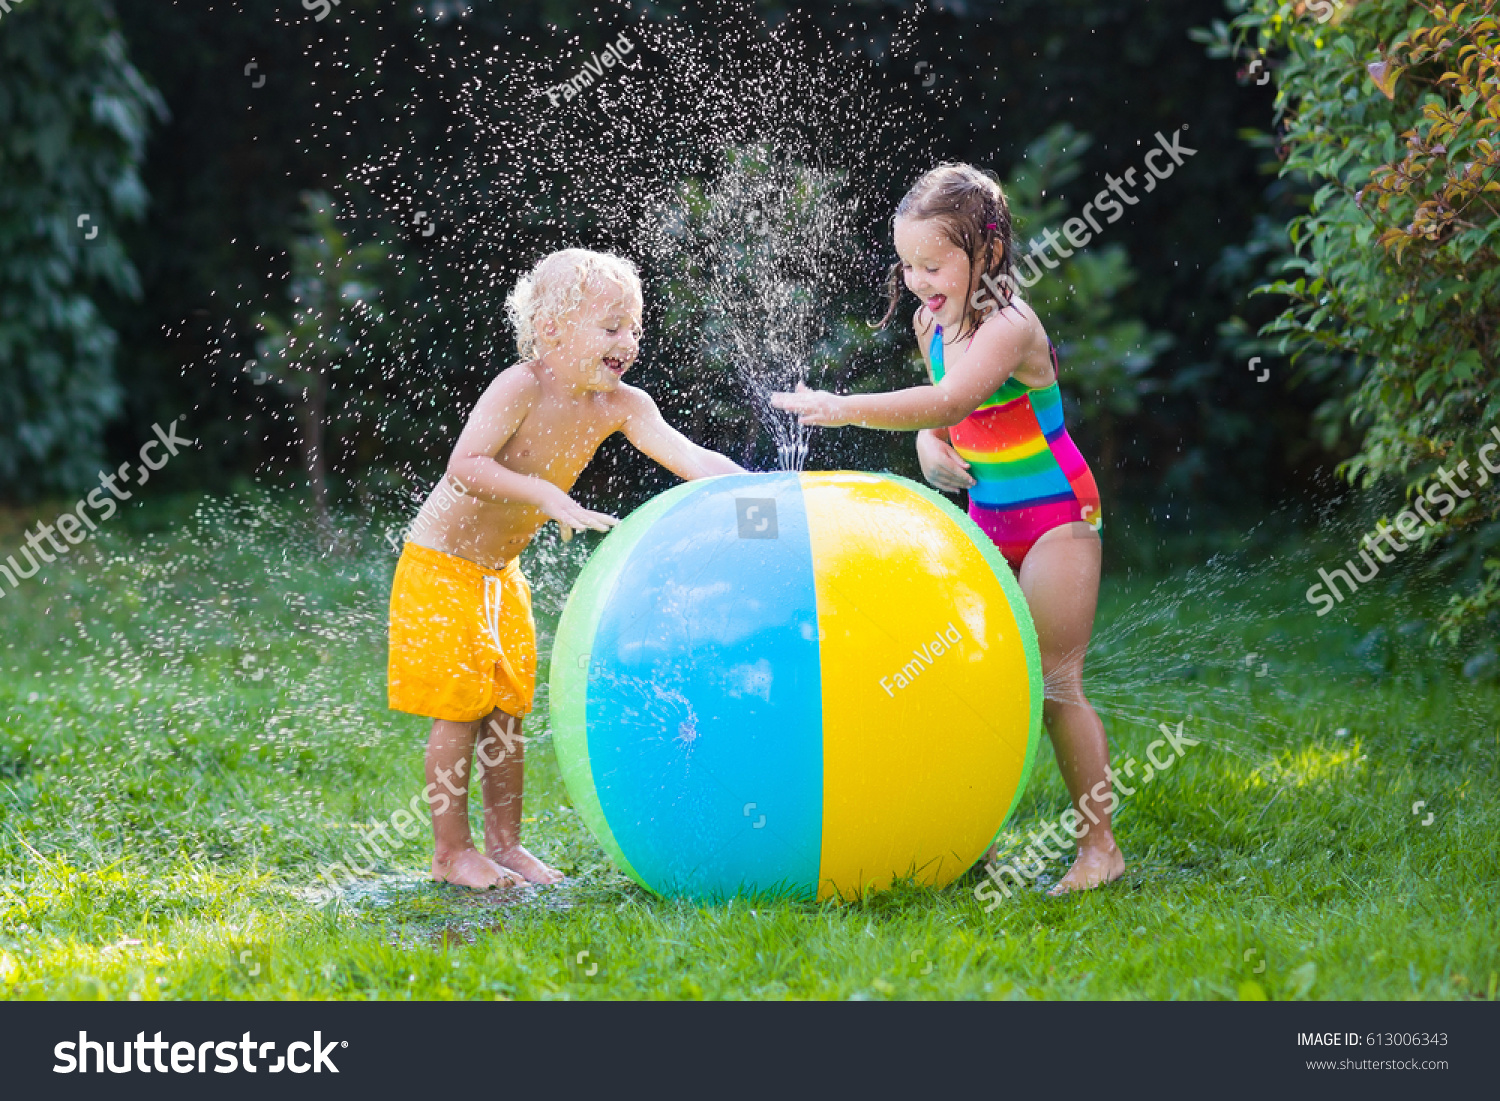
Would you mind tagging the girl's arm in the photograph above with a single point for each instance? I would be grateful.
(997, 351)
(942, 466)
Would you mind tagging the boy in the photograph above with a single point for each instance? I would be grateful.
(463, 645)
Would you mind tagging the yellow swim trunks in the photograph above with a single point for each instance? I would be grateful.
(462, 638)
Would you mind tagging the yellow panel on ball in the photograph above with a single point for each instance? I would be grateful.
(931, 683)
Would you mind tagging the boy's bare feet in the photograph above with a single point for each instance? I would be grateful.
(518, 860)
(471, 868)
(1094, 867)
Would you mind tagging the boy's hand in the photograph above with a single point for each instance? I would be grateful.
(571, 516)
(942, 466)
(814, 408)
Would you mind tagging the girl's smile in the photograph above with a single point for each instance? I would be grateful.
(935, 269)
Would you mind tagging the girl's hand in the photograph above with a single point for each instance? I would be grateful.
(942, 466)
(571, 516)
(814, 408)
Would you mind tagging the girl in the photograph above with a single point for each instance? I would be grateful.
(994, 381)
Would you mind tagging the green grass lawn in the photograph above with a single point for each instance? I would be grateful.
(192, 721)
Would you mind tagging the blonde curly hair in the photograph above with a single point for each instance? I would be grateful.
(555, 288)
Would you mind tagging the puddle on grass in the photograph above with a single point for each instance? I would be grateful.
(384, 892)
(438, 915)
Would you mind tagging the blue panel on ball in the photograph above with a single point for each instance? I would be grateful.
(705, 725)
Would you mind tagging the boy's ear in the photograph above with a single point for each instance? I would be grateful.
(547, 329)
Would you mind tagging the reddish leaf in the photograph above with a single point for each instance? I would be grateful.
(1385, 75)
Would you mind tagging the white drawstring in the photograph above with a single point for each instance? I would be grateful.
(494, 604)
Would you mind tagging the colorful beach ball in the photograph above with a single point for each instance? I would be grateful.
(799, 684)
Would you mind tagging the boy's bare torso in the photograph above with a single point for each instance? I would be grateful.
(555, 441)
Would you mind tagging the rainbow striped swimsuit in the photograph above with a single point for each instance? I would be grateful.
(1029, 476)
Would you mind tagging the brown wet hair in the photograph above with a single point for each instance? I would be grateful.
(967, 202)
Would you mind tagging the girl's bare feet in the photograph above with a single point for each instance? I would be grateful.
(471, 868)
(1095, 866)
(516, 859)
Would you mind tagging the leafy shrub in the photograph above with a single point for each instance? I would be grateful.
(74, 114)
(1388, 111)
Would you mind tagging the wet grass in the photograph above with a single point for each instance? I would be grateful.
(193, 721)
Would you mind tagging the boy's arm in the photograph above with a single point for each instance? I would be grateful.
(651, 435)
(494, 421)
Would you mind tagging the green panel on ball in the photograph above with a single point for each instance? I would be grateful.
(569, 680)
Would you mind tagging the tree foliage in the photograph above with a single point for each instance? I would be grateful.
(303, 359)
(74, 114)
(1106, 354)
(226, 175)
(1388, 112)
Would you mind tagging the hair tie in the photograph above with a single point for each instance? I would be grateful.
(990, 226)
